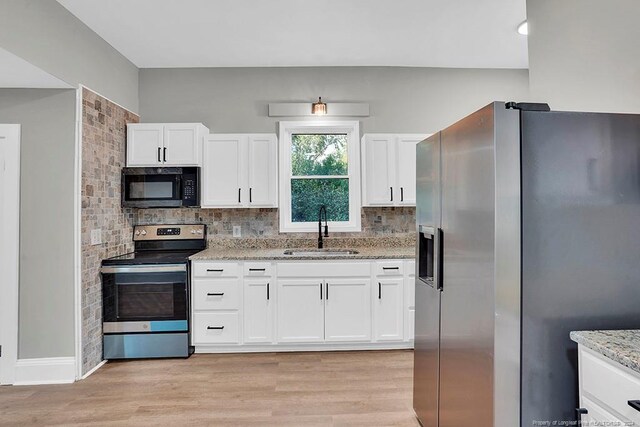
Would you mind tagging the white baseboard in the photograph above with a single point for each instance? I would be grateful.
(48, 370)
(293, 347)
(95, 368)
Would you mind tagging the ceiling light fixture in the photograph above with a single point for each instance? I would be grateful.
(523, 28)
(319, 108)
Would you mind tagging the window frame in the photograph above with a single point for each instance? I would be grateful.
(352, 130)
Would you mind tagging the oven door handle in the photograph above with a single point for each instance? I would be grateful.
(167, 268)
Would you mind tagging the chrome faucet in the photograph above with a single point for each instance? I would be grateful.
(323, 210)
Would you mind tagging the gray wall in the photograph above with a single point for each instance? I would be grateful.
(584, 55)
(47, 116)
(401, 99)
(46, 34)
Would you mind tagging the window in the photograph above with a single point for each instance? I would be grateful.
(319, 165)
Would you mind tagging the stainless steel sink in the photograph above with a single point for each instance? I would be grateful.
(319, 252)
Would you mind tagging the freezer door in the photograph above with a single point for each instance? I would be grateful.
(427, 318)
(467, 305)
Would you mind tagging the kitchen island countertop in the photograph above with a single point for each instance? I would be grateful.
(621, 346)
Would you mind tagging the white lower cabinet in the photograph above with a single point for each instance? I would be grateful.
(389, 309)
(258, 310)
(347, 310)
(300, 310)
(289, 305)
(607, 390)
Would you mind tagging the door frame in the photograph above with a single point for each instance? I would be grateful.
(9, 253)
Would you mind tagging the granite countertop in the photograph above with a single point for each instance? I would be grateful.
(237, 254)
(620, 346)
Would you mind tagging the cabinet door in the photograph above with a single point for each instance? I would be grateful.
(378, 172)
(348, 310)
(144, 144)
(263, 170)
(181, 144)
(258, 310)
(300, 310)
(406, 168)
(389, 309)
(222, 177)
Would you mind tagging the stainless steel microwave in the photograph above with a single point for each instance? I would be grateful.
(160, 187)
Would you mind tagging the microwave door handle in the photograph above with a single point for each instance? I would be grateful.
(179, 188)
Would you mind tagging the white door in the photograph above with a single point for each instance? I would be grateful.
(223, 172)
(144, 144)
(9, 248)
(378, 172)
(389, 309)
(300, 310)
(181, 144)
(406, 168)
(263, 170)
(348, 309)
(258, 310)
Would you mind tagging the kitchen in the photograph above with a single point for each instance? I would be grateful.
(238, 107)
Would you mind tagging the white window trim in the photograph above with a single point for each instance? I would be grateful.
(352, 130)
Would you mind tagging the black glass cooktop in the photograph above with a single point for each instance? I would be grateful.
(150, 257)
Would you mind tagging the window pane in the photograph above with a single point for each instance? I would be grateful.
(318, 155)
(307, 195)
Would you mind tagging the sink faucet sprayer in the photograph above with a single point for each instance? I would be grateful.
(323, 210)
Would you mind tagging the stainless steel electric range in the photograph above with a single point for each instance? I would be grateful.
(145, 294)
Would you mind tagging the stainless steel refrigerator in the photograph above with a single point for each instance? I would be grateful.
(528, 228)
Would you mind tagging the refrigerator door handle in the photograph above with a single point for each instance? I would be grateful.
(439, 259)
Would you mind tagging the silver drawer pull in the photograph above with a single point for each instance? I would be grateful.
(215, 294)
(215, 327)
(215, 270)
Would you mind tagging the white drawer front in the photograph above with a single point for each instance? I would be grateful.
(596, 414)
(389, 268)
(609, 384)
(215, 328)
(258, 269)
(216, 294)
(324, 269)
(411, 268)
(216, 269)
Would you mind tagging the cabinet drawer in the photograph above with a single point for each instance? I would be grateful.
(596, 414)
(609, 384)
(324, 269)
(215, 328)
(216, 294)
(257, 269)
(216, 269)
(410, 268)
(389, 268)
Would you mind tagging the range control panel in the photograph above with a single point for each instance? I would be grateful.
(170, 232)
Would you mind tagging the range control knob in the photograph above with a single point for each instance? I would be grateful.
(193, 231)
(143, 232)
(137, 232)
(199, 231)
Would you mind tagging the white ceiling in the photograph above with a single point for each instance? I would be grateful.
(15, 72)
(252, 33)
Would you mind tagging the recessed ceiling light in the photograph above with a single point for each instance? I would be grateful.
(523, 28)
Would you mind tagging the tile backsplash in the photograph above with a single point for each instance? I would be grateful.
(264, 222)
(103, 156)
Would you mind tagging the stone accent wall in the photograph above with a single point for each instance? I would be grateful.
(265, 222)
(103, 156)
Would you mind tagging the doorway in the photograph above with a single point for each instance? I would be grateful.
(9, 248)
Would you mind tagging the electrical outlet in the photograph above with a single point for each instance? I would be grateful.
(237, 231)
(96, 237)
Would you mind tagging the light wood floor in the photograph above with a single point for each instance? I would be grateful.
(368, 388)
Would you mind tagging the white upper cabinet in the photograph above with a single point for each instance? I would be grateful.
(165, 144)
(389, 169)
(263, 170)
(240, 171)
(222, 171)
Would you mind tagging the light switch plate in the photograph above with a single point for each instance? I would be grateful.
(237, 231)
(96, 237)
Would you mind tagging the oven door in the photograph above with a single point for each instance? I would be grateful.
(145, 298)
(151, 187)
